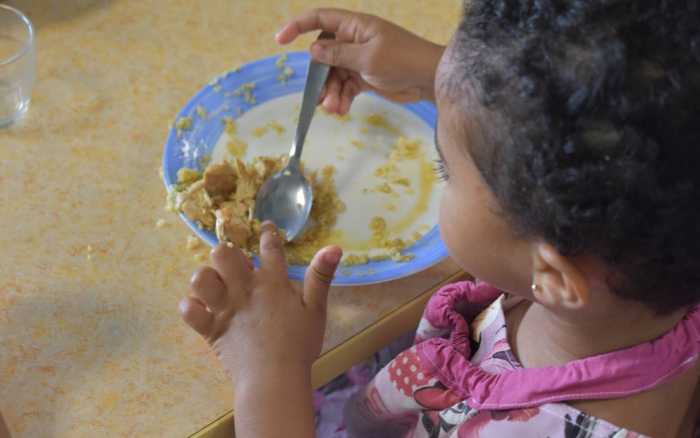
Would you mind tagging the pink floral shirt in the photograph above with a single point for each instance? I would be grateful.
(461, 379)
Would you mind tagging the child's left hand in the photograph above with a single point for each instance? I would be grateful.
(257, 321)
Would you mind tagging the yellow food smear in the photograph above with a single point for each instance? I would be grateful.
(341, 118)
(229, 125)
(286, 73)
(279, 129)
(201, 112)
(183, 124)
(391, 177)
(398, 257)
(280, 63)
(380, 240)
(355, 259)
(186, 175)
(387, 169)
(358, 144)
(236, 147)
(426, 182)
(269, 126)
(394, 246)
(246, 90)
(204, 160)
(259, 131)
(384, 188)
(380, 121)
(405, 149)
(378, 227)
(402, 150)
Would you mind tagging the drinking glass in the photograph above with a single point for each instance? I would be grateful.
(17, 65)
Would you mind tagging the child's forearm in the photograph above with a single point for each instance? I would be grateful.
(275, 404)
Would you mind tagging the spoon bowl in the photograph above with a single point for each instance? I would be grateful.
(286, 197)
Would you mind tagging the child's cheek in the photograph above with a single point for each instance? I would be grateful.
(446, 222)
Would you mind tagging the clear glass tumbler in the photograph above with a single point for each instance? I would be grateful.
(17, 64)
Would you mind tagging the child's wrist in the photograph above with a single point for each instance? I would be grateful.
(430, 61)
(276, 375)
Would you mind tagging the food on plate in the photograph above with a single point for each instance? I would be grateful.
(222, 199)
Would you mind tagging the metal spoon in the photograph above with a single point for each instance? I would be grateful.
(286, 197)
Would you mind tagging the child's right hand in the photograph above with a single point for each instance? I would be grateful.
(369, 54)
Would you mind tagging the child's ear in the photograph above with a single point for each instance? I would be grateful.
(557, 281)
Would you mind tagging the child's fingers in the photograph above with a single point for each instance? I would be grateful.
(339, 54)
(196, 316)
(207, 285)
(319, 276)
(272, 257)
(333, 88)
(328, 19)
(350, 90)
(232, 265)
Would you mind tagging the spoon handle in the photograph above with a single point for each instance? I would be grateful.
(315, 79)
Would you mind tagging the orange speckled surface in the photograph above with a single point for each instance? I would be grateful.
(91, 343)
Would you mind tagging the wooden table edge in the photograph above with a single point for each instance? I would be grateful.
(354, 350)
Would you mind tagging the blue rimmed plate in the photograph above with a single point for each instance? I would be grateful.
(185, 148)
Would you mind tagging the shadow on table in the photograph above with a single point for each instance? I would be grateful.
(42, 12)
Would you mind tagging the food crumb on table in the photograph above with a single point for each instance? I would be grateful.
(193, 243)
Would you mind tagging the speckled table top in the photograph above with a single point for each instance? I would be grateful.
(91, 343)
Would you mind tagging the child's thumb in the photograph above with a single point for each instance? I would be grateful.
(338, 54)
(319, 276)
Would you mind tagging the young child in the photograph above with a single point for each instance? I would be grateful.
(568, 134)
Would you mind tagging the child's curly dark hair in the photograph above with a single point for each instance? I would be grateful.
(595, 121)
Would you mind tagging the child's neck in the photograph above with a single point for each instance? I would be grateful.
(539, 337)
